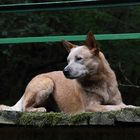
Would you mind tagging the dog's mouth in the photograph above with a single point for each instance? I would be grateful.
(69, 76)
(74, 75)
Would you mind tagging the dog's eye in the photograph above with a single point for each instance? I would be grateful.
(78, 58)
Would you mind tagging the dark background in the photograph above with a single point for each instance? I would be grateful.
(19, 63)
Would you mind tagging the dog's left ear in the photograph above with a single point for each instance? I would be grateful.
(91, 43)
(68, 45)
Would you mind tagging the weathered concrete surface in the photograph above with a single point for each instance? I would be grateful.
(128, 115)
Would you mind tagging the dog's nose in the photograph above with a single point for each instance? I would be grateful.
(66, 72)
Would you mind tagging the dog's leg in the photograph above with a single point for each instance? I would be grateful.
(16, 107)
(5, 107)
(35, 98)
(38, 109)
(104, 108)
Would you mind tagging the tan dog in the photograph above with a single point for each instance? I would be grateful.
(89, 84)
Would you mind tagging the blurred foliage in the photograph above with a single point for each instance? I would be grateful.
(20, 62)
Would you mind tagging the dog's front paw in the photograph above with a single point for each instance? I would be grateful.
(132, 106)
(2, 107)
(41, 109)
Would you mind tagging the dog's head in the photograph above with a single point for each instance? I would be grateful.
(82, 60)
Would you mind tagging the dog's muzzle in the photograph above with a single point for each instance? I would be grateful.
(66, 72)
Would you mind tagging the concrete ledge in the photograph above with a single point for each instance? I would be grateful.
(127, 115)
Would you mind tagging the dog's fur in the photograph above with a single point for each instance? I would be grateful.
(89, 84)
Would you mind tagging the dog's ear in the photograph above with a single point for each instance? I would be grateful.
(91, 43)
(68, 45)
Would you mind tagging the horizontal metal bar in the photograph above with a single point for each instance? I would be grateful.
(68, 37)
(65, 5)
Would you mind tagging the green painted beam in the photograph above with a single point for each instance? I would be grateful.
(66, 5)
(68, 37)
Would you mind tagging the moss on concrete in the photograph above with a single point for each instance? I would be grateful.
(9, 117)
(80, 119)
(43, 119)
(58, 119)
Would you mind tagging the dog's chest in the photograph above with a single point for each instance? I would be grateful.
(96, 93)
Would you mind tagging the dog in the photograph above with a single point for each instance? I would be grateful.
(86, 84)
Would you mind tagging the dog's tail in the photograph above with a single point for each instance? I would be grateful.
(16, 107)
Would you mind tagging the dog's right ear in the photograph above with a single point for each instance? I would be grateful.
(68, 45)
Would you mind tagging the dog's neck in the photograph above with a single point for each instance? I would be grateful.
(90, 80)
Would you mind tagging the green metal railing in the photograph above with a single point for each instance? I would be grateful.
(69, 38)
(66, 5)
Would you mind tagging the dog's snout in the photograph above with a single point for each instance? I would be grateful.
(66, 71)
